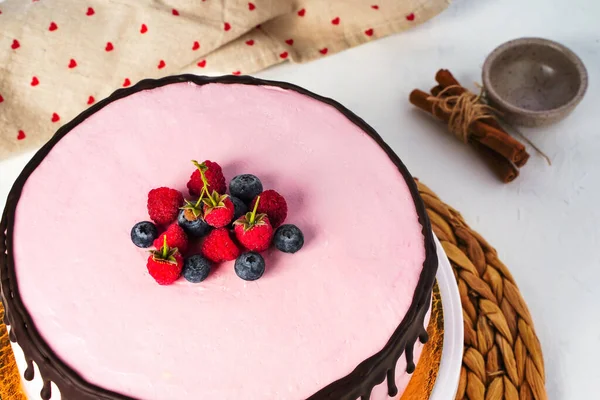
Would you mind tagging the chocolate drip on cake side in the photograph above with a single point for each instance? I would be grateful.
(356, 385)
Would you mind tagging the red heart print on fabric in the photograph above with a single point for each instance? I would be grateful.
(15, 44)
(35, 81)
(21, 135)
(335, 21)
(290, 41)
(324, 50)
(175, 12)
(55, 117)
(52, 27)
(90, 11)
(236, 72)
(1, 98)
(126, 82)
(369, 32)
(161, 64)
(375, 7)
(196, 46)
(301, 13)
(250, 42)
(72, 63)
(410, 17)
(109, 46)
(251, 6)
(144, 28)
(283, 55)
(226, 26)
(91, 100)
(202, 64)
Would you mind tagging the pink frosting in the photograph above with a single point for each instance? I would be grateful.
(310, 320)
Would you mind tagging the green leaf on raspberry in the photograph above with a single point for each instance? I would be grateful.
(165, 253)
(215, 200)
(194, 208)
(251, 218)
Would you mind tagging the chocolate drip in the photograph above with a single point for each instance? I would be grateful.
(391, 382)
(366, 396)
(357, 384)
(29, 371)
(46, 391)
(12, 336)
(410, 362)
(424, 337)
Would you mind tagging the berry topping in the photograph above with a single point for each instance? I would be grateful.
(288, 238)
(193, 226)
(218, 246)
(196, 268)
(163, 205)
(143, 234)
(165, 264)
(254, 231)
(209, 173)
(239, 207)
(250, 266)
(245, 187)
(274, 205)
(218, 210)
(175, 237)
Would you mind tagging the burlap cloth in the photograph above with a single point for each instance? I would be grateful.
(59, 56)
(502, 355)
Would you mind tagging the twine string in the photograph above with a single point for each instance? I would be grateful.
(464, 109)
(468, 107)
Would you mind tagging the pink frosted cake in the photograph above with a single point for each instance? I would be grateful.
(342, 318)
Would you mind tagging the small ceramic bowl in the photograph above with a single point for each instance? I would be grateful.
(534, 82)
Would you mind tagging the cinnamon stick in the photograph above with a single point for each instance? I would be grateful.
(436, 90)
(445, 79)
(497, 140)
(504, 169)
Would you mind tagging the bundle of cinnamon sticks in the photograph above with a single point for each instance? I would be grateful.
(504, 154)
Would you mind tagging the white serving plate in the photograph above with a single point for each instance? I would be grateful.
(446, 383)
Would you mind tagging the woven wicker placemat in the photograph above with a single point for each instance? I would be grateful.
(502, 354)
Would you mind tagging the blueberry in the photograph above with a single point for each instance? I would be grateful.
(196, 228)
(245, 187)
(239, 207)
(196, 268)
(250, 266)
(288, 238)
(143, 234)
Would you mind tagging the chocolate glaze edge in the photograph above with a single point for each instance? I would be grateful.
(357, 384)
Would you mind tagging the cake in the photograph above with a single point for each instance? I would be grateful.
(343, 318)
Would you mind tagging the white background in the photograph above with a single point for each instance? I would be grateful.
(545, 225)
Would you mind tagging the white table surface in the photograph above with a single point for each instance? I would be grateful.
(545, 225)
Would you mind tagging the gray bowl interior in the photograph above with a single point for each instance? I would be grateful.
(535, 77)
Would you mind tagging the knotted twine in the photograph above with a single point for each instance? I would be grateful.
(468, 107)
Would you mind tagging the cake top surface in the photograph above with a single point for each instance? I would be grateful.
(309, 321)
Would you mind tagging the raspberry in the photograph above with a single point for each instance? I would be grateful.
(214, 177)
(219, 216)
(163, 205)
(165, 264)
(254, 231)
(274, 205)
(257, 237)
(218, 246)
(176, 237)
